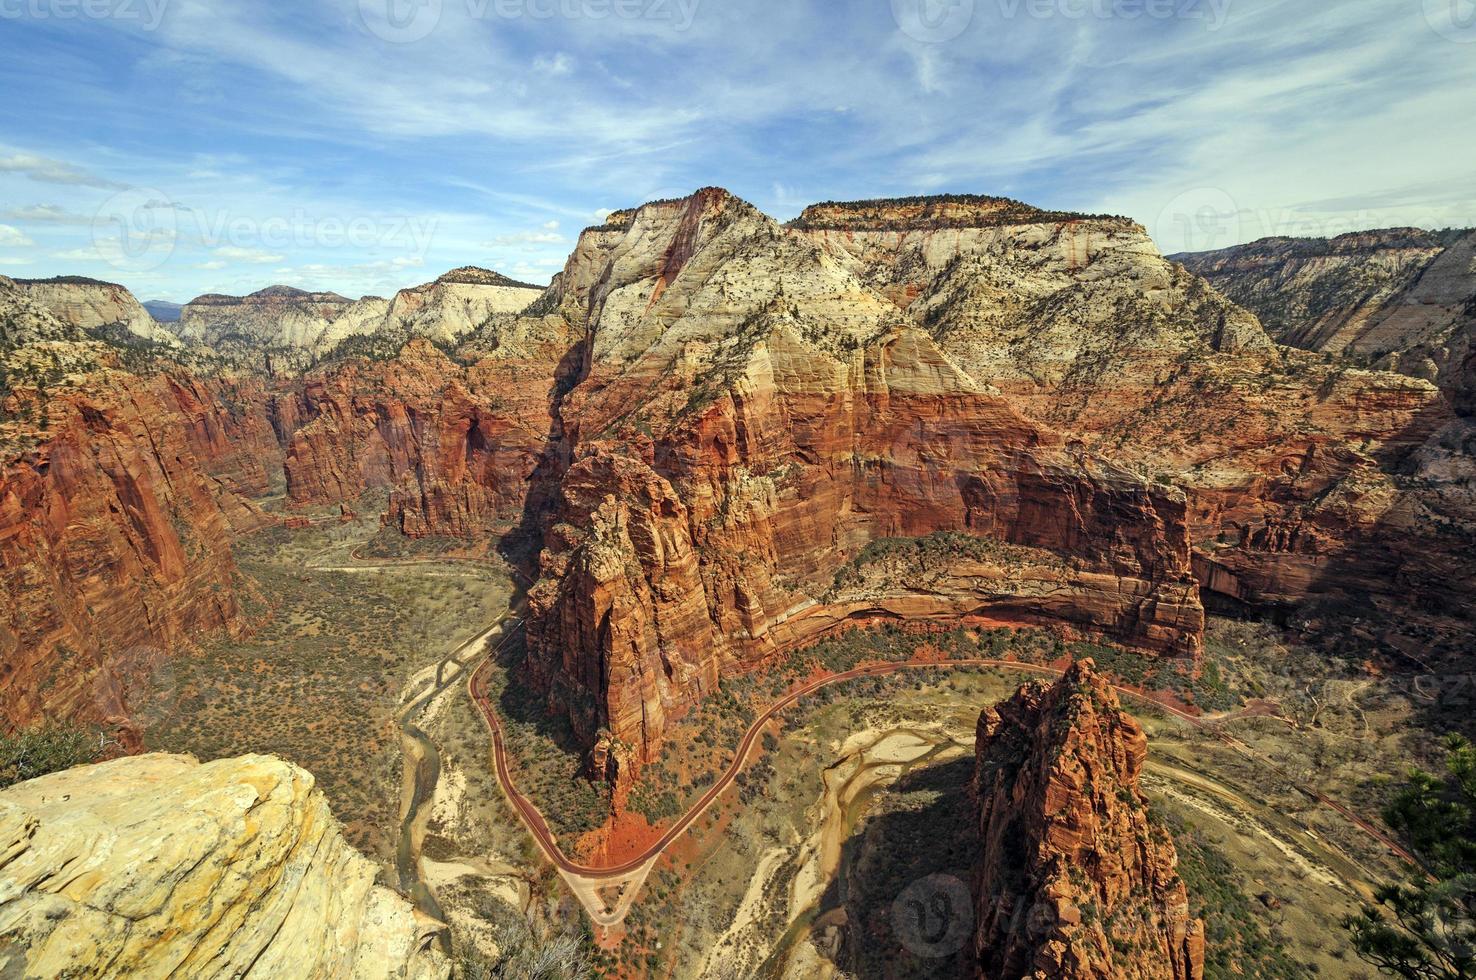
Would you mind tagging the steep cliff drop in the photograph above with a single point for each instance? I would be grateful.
(1074, 881)
(157, 865)
(751, 415)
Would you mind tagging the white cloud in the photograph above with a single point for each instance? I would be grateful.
(14, 262)
(46, 214)
(212, 265)
(559, 64)
(49, 171)
(256, 256)
(13, 238)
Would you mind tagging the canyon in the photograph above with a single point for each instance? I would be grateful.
(715, 439)
(708, 413)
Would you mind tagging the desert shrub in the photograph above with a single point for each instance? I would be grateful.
(38, 751)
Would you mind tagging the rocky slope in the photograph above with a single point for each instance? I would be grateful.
(1074, 880)
(118, 501)
(749, 414)
(1292, 465)
(275, 317)
(294, 327)
(92, 305)
(157, 865)
(457, 445)
(457, 303)
(122, 480)
(1402, 299)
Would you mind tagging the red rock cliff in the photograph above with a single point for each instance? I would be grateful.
(1074, 881)
(116, 514)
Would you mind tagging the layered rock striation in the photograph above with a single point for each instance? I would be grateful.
(1074, 880)
(119, 497)
(749, 414)
(92, 305)
(157, 865)
(1397, 298)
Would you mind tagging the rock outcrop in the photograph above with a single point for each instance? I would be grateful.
(748, 416)
(157, 865)
(1401, 299)
(457, 445)
(1293, 466)
(458, 303)
(119, 496)
(92, 305)
(275, 317)
(293, 326)
(1074, 880)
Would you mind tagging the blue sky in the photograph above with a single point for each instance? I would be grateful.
(188, 146)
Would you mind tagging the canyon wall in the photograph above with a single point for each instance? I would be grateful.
(749, 415)
(1074, 880)
(118, 503)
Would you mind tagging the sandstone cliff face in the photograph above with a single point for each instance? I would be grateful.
(1399, 298)
(89, 305)
(457, 303)
(291, 324)
(119, 494)
(1291, 464)
(157, 866)
(457, 445)
(750, 414)
(1074, 880)
(278, 316)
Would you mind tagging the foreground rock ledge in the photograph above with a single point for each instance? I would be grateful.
(158, 865)
(1073, 880)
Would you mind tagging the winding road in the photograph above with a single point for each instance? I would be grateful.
(587, 880)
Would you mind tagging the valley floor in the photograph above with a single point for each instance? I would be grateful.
(853, 796)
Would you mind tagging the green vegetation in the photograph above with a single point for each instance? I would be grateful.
(549, 757)
(935, 551)
(318, 680)
(1237, 941)
(38, 751)
(1424, 928)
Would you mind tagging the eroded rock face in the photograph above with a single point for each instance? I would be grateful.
(1397, 298)
(1293, 465)
(157, 865)
(458, 302)
(457, 445)
(278, 316)
(749, 415)
(119, 495)
(1074, 880)
(91, 305)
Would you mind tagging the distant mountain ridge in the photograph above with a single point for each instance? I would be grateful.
(163, 311)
